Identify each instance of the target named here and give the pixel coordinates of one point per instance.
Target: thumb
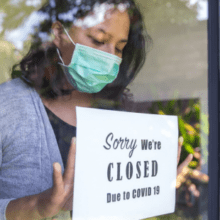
(70, 167)
(184, 163)
(57, 178)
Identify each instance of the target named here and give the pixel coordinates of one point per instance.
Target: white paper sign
(125, 165)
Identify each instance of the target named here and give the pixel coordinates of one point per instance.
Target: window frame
(213, 100)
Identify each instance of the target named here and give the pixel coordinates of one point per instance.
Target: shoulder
(15, 92)
(20, 115)
(16, 101)
(14, 88)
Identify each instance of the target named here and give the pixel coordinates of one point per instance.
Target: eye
(97, 42)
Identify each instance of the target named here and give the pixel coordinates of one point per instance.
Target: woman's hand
(186, 175)
(51, 201)
(60, 196)
(186, 161)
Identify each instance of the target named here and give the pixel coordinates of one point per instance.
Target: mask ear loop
(69, 36)
(60, 56)
(70, 40)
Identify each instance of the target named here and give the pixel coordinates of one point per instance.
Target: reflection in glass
(173, 80)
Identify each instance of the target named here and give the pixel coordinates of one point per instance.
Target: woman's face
(110, 36)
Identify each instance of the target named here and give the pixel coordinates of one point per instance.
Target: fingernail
(73, 141)
(57, 166)
(181, 139)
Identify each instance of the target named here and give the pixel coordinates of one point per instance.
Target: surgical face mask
(90, 69)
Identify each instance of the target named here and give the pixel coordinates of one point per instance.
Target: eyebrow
(103, 31)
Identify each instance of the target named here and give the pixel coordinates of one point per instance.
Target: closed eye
(100, 43)
(96, 42)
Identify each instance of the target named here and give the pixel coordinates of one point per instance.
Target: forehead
(99, 13)
(116, 24)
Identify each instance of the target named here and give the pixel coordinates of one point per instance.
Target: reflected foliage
(159, 12)
(8, 56)
(189, 124)
(191, 178)
(39, 15)
(15, 13)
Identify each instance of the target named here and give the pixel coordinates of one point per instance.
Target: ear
(62, 42)
(58, 32)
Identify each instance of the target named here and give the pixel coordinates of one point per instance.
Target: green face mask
(90, 69)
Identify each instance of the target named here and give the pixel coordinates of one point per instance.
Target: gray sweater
(28, 146)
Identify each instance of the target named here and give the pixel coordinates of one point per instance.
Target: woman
(36, 178)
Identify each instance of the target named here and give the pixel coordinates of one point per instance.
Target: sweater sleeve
(28, 146)
(3, 202)
(20, 147)
(3, 206)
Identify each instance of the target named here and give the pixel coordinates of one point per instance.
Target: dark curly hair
(40, 68)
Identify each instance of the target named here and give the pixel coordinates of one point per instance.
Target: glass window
(173, 80)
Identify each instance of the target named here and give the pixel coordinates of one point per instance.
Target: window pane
(174, 81)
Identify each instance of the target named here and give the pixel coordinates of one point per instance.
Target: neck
(76, 98)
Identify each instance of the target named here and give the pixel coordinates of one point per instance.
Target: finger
(179, 180)
(184, 163)
(70, 168)
(192, 188)
(180, 143)
(57, 178)
(196, 174)
(68, 205)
